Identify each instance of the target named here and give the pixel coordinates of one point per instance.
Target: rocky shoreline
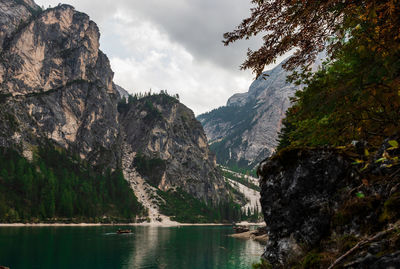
(259, 235)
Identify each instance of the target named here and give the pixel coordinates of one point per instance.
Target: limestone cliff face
(159, 127)
(13, 15)
(56, 84)
(245, 131)
(59, 46)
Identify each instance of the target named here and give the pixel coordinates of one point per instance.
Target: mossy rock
(263, 264)
(312, 260)
(346, 242)
(391, 211)
(356, 207)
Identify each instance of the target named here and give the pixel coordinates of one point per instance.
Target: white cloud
(174, 45)
(202, 85)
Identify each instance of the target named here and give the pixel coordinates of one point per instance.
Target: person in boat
(119, 231)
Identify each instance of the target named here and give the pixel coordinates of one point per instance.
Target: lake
(147, 247)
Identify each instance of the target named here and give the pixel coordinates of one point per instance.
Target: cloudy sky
(173, 45)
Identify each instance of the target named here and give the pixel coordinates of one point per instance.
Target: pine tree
(4, 175)
(66, 204)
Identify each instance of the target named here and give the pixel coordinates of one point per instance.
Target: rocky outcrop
(245, 131)
(159, 127)
(57, 85)
(318, 204)
(298, 197)
(14, 14)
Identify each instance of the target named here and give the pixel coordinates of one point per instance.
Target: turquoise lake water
(185, 247)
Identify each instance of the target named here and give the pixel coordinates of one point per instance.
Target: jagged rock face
(309, 201)
(245, 131)
(60, 46)
(297, 198)
(121, 91)
(13, 14)
(57, 84)
(161, 127)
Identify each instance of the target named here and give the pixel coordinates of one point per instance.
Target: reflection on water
(147, 247)
(145, 244)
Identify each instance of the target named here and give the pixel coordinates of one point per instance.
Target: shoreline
(250, 235)
(151, 224)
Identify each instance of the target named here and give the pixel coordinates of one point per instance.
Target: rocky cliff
(56, 87)
(326, 207)
(13, 15)
(159, 127)
(245, 131)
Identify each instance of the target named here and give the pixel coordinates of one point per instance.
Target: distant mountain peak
(245, 131)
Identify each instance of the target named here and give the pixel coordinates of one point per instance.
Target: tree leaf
(360, 195)
(365, 167)
(357, 161)
(380, 160)
(393, 143)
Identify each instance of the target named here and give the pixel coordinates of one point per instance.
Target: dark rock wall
(314, 198)
(298, 196)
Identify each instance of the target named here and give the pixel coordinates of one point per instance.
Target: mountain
(57, 85)
(121, 91)
(165, 152)
(245, 131)
(58, 98)
(159, 127)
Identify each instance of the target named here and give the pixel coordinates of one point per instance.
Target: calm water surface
(147, 247)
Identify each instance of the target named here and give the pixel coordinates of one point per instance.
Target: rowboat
(124, 231)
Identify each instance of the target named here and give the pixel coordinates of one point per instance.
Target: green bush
(150, 168)
(312, 260)
(263, 264)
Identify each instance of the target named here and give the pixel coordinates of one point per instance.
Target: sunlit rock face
(13, 15)
(56, 83)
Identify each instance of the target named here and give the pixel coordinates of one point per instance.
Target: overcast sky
(173, 45)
